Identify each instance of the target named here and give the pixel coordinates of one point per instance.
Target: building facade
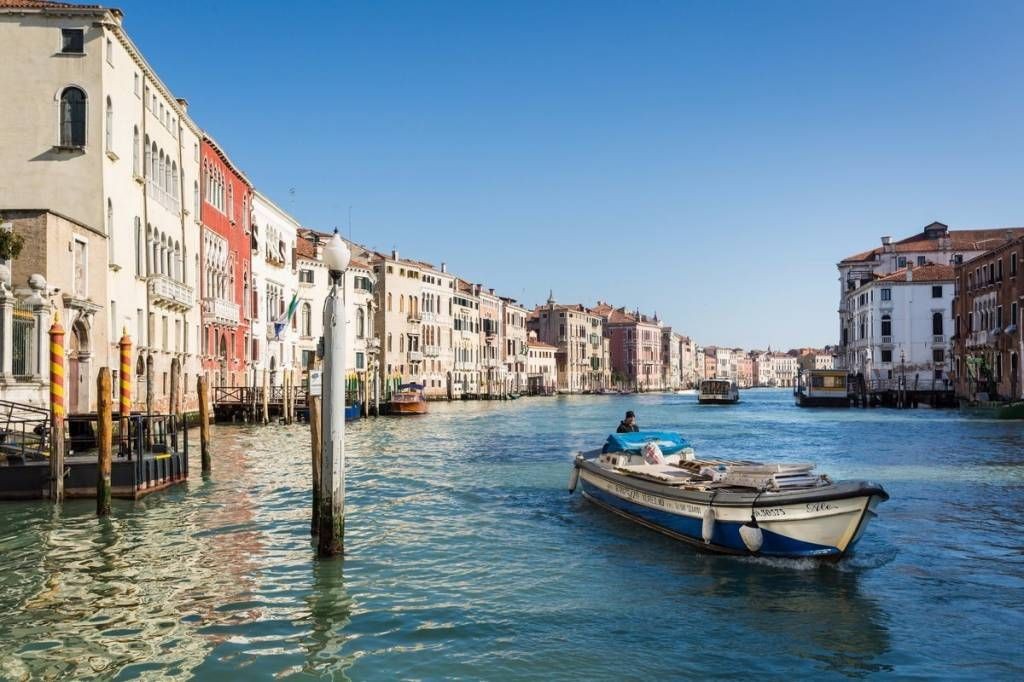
(583, 358)
(276, 322)
(541, 368)
(988, 318)
(515, 350)
(226, 264)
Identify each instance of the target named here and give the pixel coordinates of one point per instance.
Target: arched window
(937, 324)
(389, 342)
(401, 343)
(886, 325)
(174, 180)
(195, 197)
(360, 324)
(307, 320)
(72, 117)
(153, 163)
(135, 151)
(389, 303)
(401, 303)
(110, 125)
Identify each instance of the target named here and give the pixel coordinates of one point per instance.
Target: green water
(466, 558)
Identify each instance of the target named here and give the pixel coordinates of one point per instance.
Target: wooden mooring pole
(56, 410)
(204, 423)
(314, 433)
(104, 433)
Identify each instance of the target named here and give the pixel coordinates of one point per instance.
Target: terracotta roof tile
(922, 273)
(43, 4)
(959, 240)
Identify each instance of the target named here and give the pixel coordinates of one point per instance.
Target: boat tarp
(411, 387)
(668, 441)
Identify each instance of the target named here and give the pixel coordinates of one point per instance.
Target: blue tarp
(669, 442)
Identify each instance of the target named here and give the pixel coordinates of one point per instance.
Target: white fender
(707, 528)
(752, 536)
(574, 478)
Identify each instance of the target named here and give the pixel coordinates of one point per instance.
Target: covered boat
(409, 399)
(718, 392)
(732, 507)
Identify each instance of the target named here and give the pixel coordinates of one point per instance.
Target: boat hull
(825, 524)
(706, 400)
(821, 401)
(404, 408)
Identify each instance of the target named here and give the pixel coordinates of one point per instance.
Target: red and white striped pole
(56, 410)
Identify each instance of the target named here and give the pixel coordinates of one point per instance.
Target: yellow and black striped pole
(56, 410)
(125, 383)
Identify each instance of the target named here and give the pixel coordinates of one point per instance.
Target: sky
(711, 161)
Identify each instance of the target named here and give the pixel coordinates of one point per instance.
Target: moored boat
(731, 507)
(409, 399)
(718, 392)
(822, 388)
(992, 409)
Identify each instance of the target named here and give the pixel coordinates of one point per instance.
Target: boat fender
(752, 535)
(574, 478)
(707, 528)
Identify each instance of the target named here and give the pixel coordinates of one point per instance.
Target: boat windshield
(715, 387)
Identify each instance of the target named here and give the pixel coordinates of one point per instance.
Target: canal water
(466, 558)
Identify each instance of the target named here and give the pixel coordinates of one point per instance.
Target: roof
(922, 273)
(305, 248)
(44, 4)
(931, 239)
(540, 344)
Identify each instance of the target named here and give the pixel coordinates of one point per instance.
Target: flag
(280, 324)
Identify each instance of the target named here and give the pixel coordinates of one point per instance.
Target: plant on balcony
(11, 244)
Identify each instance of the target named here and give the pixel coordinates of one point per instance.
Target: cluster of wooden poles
(105, 417)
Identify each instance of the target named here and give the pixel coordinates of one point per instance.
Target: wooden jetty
(232, 403)
(151, 455)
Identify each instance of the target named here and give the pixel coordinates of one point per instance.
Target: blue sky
(708, 161)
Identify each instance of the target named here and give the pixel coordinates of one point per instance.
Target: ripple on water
(465, 557)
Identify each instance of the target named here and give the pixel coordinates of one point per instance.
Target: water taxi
(409, 399)
(738, 507)
(822, 388)
(718, 392)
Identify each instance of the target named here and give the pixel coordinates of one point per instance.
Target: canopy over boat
(411, 387)
(670, 443)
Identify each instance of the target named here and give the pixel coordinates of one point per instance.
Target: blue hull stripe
(726, 536)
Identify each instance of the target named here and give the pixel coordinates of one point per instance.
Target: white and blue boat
(732, 507)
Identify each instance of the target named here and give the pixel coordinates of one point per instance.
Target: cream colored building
(492, 344)
(584, 357)
(514, 348)
(466, 340)
(96, 137)
(541, 367)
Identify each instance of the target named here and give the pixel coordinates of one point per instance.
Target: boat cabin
(718, 391)
(822, 388)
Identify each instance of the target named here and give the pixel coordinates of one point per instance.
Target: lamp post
(332, 453)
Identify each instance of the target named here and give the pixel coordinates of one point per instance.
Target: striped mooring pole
(56, 410)
(125, 382)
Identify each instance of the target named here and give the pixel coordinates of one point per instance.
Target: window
(360, 323)
(110, 231)
(72, 41)
(110, 51)
(360, 363)
(938, 355)
(136, 90)
(921, 260)
(307, 320)
(110, 126)
(937, 291)
(886, 294)
(886, 355)
(72, 117)
(79, 268)
(886, 325)
(937, 324)
(901, 262)
(139, 254)
(970, 322)
(306, 276)
(135, 152)
(999, 317)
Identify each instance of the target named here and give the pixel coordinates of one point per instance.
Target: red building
(226, 266)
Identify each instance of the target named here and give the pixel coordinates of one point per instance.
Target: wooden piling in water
(104, 441)
(266, 399)
(204, 423)
(314, 432)
(56, 410)
(172, 407)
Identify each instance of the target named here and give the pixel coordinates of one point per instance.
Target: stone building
(491, 344)
(515, 349)
(635, 345)
(541, 367)
(583, 351)
(93, 119)
(988, 317)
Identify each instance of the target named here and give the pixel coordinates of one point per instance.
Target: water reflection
(329, 609)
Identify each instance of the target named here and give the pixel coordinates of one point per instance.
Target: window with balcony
(886, 325)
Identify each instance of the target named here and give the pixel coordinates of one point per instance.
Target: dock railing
(24, 430)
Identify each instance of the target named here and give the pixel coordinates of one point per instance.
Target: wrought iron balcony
(170, 293)
(219, 311)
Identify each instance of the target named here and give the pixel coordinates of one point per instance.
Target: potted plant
(11, 244)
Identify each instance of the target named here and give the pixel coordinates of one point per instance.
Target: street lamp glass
(336, 254)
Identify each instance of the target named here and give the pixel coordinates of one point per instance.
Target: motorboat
(780, 509)
(409, 399)
(718, 392)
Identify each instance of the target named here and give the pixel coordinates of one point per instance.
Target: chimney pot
(444, 267)
(183, 103)
(394, 254)
(886, 240)
(910, 273)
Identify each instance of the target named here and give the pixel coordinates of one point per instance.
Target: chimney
(183, 103)
(394, 254)
(910, 272)
(886, 240)
(444, 267)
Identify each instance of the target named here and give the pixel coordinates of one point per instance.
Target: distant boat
(686, 391)
(992, 409)
(718, 392)
(822, 388)
(733, 507)
(409, 399)
(353, 412)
